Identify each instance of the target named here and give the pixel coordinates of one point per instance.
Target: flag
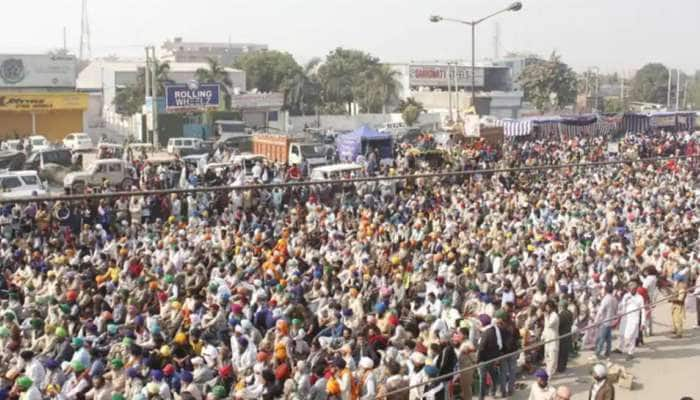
(183, 178)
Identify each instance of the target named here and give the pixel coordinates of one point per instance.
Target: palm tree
(162, 78)
(216, 73)
(302, 86)
(386, 83)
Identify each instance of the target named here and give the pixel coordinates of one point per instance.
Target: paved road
(664, 368)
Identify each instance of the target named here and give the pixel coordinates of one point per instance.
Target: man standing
(601, 389)
(605, 314)
(678, 306)
(490, 347)
(631, 308)
(566, 321)
(550, 334)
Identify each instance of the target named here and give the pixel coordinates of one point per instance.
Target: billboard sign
(192, 97)
(43, 101)
(436, 75)
(267, 101)
(37, 71)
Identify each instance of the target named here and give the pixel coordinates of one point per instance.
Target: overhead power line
(338, 181)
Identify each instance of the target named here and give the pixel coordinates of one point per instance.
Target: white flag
(183, 178)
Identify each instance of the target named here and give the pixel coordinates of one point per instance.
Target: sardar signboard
(192, 97)
(436, 75)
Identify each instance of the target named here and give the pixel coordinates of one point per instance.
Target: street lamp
(517, 6)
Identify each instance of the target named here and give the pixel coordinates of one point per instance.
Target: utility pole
(449, 92)
(456, 86)
(622, 90)
(147, 81)
(678, 87)
(685, 95)
(65, 45)
(668, 92)
(154, 90)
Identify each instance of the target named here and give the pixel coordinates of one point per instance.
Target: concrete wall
(352, 122)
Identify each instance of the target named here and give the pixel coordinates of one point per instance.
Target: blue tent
(353, 144)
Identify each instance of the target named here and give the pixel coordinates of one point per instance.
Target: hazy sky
(613, 34)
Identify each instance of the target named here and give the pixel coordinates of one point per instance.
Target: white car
(115, 171)
(78, 142)
(39, 143)
(20, 184)
(176, 145)
(11, 145)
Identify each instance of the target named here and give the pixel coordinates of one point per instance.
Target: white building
(108, 77)
(177, 50)
(440, 86)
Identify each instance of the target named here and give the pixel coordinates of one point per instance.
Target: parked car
(62, 157)
(183, 144)
(114, 170)
(78, 142)
(11, 145)
(19, 184)
(11, 160)
(39, 143)
(336, 171)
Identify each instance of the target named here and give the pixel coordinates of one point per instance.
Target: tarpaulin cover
(349, 145)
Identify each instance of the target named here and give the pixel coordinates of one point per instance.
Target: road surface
(664, 368)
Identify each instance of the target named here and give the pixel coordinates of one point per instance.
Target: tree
(216, 73)
(403, 104)
(343, 76)
(304, 89)
(650, 84)
(131, 99)
(549, 83)
(410, 115)
(377, 87)
(268, 71)
(613, 105)
(694, 92)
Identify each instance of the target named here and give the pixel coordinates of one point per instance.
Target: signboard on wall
(43, 101)
(192, 97)
(436, 75)
(472, 125)
(37, 71)
(266, 101)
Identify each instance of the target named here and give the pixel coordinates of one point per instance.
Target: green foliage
(216, 73)
(304, 90)
(410, 115)
(130, 100)
(549, 83)
(613, 105)
(650, 84)
(268, 71)
(694, 92)
(403, 104)
(349, 76)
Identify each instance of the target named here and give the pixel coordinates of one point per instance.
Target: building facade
(38, 96)
(177, 50)
(442, 87)
(108, 77)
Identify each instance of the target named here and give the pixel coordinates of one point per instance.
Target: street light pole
(474, 66)
(517, 6)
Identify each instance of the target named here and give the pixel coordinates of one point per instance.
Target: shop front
(52, 114)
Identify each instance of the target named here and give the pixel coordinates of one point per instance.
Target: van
(336, 171)
(183, 145)
(20, 184)
(62, 157)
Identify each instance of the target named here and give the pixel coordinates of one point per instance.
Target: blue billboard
(192, 97)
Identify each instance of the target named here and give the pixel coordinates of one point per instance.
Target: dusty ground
(664, 369)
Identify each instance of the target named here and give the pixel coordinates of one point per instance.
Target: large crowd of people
(355, 291)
